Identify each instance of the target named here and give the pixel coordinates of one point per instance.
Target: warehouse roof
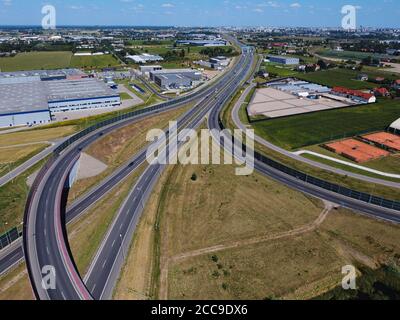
(82, 89)
(35, 95)
(172, 71)
(41, 73)
(283, 57)
(22, 97)
(172, 77)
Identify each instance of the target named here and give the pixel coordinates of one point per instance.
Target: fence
(9, 237)
(354, 194)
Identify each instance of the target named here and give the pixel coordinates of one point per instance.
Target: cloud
(295, 5)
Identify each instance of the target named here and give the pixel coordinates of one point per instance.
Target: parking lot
(274, 103)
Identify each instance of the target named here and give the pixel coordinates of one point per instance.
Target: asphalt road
(365, 208)
(105, 269)
(45, 238)
(269, 145)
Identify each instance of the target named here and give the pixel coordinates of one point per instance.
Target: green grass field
(350, 55)
(55, 60)
(339, 77)
(279, 70)
(94, 62)
(36, 61)
(125, 96)
(309, 129)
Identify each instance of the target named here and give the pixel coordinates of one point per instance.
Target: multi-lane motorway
(105, 269)
(13, 255)
(45, 239)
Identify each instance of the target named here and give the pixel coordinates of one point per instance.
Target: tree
(322, 64)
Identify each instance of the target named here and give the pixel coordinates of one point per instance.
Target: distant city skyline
(206, 13)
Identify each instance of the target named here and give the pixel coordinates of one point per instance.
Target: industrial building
(203, 43)
(217, 63)
(176, 78)
(30, 98)
(60, 74)
(284, 60)
(80, 95)
(356, 95)
(145, 70)
(23, 104)
(145, 58)
(172, 81)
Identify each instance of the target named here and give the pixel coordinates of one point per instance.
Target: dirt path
(165, 262)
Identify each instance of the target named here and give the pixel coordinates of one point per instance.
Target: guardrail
(9, 237)
(159, 107)
(354, 194)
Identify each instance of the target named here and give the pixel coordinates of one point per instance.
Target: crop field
(310, 129)
(94, 62)
(36, 61)
(349, 55)
(55, 60)
(338, 77)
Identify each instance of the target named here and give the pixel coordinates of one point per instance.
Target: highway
(45, 241)
(368, 209)
(105, 269)
(291, 155)
(13, 255)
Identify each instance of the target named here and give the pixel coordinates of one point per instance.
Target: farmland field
(354, 55)
(343, 77)
(36, 61)
(94, 62)
(280, 71)
(309, 129)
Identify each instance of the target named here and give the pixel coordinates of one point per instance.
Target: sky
(307, 13)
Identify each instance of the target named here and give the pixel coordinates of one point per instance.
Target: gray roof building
(64, 90)
(23, 98)
(172, 81)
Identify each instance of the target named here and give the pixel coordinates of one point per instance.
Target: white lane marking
(94, 287)
(112, 245)
(104, 264)
(63, 295)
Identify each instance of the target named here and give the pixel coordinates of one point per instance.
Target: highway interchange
(45, 239)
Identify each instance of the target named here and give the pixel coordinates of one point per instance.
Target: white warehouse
(23, 104)
(31, 101)
(80, 95)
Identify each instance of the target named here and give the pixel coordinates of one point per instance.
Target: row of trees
(219, 51)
